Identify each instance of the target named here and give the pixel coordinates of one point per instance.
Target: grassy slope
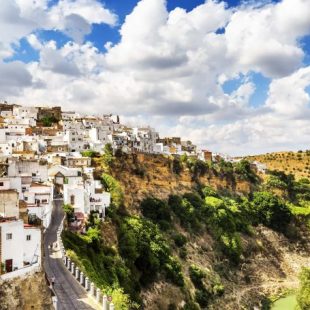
(296, 163)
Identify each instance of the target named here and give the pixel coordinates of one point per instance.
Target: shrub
(174, 271)
(49, 120)
(113, 186)
(107, 157)
(69, 211)
(243, 169)
(179, 239)
(231, 246)
(197, 167)
(89, 153)
(303, 296)
(144, 248)
(197, 275)
(202, 297)
(176, 166)
(185, 211)
(271, 210)
(208, 191)
(156, 210)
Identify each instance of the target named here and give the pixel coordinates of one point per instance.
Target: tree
(245, 172)
(156, 210)
(89, 153)
(108, 157)
(271, 210)
(69, 210)
(115, 189)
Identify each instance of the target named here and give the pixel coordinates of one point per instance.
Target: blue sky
(103, 33)
(230, 76)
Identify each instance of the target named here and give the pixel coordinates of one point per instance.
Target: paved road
(70, 294)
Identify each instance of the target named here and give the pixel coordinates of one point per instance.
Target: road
(70, 294)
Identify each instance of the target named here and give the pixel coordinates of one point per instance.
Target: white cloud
(287, 96)
(19, 18)
(265, 39)
(169, 67)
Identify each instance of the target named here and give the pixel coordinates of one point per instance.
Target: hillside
(183, 234)
(297, 163)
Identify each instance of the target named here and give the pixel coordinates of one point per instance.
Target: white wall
(32, 247)
(13, 248)
(78, 192)
(9, 203)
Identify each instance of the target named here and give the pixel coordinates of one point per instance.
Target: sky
(232, 76)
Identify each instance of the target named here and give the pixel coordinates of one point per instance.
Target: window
(28, 237)
(44, 200)
(1, 184)
(9, 236)
(72, 198)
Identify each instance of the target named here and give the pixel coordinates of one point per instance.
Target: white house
(99, 200)
(87, 196)
(14, 183)
(20, 245)
(35, 168)
(76, 140)
(39, 202)
(25, 112)
(74, 194)
(61, 175)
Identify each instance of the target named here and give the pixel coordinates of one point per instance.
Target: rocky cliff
(26, 293)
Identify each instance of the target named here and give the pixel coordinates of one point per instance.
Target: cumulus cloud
(288, 96)
(169, 68)
(19, 18)
(14, 76)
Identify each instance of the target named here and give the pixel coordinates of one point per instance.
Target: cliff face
(26, 293)
(143, 175)
(270, 262)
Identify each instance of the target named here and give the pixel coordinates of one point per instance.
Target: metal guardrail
(102, 300)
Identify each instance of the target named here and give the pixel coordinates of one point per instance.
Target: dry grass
(297, 163)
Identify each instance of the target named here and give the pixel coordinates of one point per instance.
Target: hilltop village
(44, 157)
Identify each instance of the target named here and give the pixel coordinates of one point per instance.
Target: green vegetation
(113, 186)
(102, 264)
(271, 211)
(207, 286)
(148, 241)
(157, 211)
(284, 303)
(244, 171)
(197, 167)
(49, 120)
(90, 153)
(303, 296)
(69, 211)
(177, 165)
(107, 157)
(144, 248)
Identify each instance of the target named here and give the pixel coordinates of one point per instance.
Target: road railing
(104, 302)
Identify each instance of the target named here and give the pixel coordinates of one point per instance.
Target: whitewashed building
(20, 245)
(39, 202)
